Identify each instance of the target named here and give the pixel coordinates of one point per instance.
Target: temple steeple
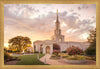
(57, 32)
(57, 24)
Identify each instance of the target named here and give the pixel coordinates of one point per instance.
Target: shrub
(63, 51)
(56, 47)
(10, 51)
(36, 52)
(5, 49)
(91, 51)
(6, 55)
(55, 52)
(41, 52)
(74, 51)
(64, 55)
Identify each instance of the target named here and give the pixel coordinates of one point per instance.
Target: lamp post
(61, 56)
(38, 53)
(38, 56)
(45, 60)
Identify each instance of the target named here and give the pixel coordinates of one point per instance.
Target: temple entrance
(47, 50)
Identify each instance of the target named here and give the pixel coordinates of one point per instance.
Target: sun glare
(84, 36)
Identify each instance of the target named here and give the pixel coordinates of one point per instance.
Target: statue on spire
(57, 11)
(57, 16)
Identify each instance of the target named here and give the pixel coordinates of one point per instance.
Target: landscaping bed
(54, 57)
(75, 59)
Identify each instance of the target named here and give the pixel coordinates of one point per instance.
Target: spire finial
(57, 16)
(57, 11)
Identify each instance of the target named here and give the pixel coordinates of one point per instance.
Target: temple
(47, 46)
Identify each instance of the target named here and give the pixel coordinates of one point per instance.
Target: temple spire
(57, 16)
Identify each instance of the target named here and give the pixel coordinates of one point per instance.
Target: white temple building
(46, 46)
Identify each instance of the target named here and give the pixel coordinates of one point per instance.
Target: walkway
(62, 62)
(50, 61)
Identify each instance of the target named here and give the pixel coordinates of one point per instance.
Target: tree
(19, 43)
(5, 49)
(92, 40)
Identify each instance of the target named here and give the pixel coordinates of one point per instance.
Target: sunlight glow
(63, 24)
(6, 44)
(84, 36)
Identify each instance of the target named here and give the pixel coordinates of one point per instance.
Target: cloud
(86, 6)
(20, 11)
(71, 10)
(27, 20)
(79, 8)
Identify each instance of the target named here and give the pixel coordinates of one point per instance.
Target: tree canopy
(92, 39)
(19, 43)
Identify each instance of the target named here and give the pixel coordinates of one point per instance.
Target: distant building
(46, 46)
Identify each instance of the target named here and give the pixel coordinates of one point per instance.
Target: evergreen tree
(92, 40)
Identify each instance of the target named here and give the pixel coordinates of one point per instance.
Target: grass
(30, 60)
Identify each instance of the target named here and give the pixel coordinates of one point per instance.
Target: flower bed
(64, 55)
(54, 57)
(75, 59)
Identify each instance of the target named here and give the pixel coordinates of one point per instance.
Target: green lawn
(30, 60)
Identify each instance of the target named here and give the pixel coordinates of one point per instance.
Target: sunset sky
(37, 21)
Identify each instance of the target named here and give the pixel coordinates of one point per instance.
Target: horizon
(37, 21)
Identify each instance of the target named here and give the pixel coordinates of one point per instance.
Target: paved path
(50, 61)
(62, 62)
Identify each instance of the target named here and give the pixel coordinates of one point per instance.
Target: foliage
(25, 51)
(76, 57)
(41, 52)
(55, 52)
(64, 55)
(91, 51)
(10, 51)
(63, 51)
(56, 47)
(19, 43)
(6, 55)
(92, 39)
(30, 60)
(36, 52)
(5, 49)
(74, 51)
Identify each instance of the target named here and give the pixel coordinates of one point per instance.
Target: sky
(37, 21)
